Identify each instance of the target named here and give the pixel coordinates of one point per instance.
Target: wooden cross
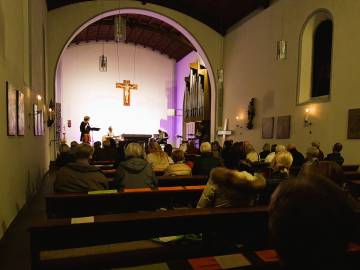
(127, 86)
(224, 132)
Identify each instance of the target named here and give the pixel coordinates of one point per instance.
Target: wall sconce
(307, 121)
(51, 113)
(39, 98)
(240, 120)
(281, 50)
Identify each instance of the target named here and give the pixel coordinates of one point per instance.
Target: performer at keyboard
(163, 137)
(85, 129)
(110, 132)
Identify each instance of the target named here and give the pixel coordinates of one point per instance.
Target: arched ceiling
(217, 14)
(142, 30)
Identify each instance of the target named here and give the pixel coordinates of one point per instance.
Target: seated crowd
(137, 167)
(310, 217)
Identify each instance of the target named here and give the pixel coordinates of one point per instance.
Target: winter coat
(77, 177)
(177, 169)
(204, 164)
(230, 188)
(135, 173)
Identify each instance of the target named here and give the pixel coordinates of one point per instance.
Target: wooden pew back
(132, 200)
(246, 224)
(192, 180)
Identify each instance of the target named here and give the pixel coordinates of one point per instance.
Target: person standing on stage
(85, 130)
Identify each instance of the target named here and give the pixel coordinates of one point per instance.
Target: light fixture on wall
(307, 120)
(281, 50)
(51, 113)
(220, 75)
(281, 45)
(38, 97)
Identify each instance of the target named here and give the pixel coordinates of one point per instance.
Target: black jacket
(204, 164)
(84, 129)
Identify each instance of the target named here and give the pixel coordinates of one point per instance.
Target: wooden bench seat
(248, 225)
(130, 200)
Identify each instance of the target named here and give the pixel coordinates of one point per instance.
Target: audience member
(191, 148)
(64, 156)
(271, 156)
(311, 223)
(73, 146)
(183, 146)
(335, 155)
(206, 162)
(299, 158)
(227, 146)
(251, 155)
(157, 157)
(109, 151)
(280, 172)
(317, 145)
(328, 169)
(216, 149)
(179, 168)
(227, 187)
(312, 155)
(242, 163)
(80, 176)
(265, 152)
(97, 151)
(168, 149)
(281, 166)
(135, 171)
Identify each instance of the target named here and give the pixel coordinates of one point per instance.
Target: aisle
(15, 245)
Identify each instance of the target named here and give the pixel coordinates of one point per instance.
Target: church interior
(157, 134)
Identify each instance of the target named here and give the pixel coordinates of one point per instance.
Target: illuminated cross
(127, 86)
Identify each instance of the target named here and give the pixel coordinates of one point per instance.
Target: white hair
(280, 148)
(205, 147)
(134, 150)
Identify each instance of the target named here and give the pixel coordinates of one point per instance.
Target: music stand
(93, 129)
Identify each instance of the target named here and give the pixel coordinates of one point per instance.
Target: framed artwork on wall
(268, 128)
(354, 124)
(283, 127)
(11, 110)
(20, 113)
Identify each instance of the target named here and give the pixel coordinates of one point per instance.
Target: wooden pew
(171, 181)
(351, 176)
(131, 200)
(350, 168)
(50, 238)
(103, 162)
(248, 225)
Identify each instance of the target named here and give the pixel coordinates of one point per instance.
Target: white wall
(87, 91)
(24, 159)
(251, 70)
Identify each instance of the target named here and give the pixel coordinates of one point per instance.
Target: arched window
(315, 58)
(321, 70)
